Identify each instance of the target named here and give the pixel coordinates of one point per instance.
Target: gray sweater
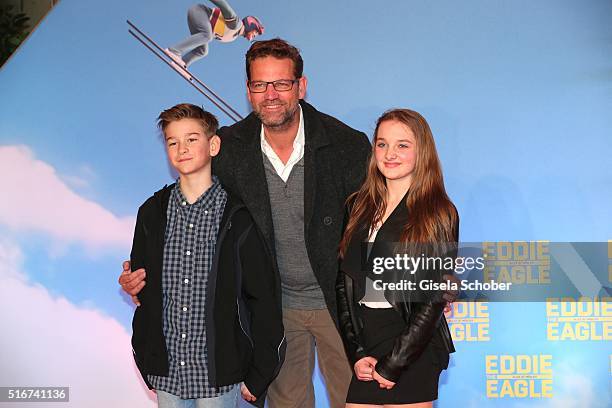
(298, 282)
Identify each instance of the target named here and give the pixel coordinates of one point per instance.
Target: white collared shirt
(374, 305)
(283, 170)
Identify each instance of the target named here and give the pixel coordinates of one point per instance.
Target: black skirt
(417, 383)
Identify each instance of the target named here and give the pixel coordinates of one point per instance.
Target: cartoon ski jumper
(205, 24)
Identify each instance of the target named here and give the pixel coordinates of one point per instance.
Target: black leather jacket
(425, 320)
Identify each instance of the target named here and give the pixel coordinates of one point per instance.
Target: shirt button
(190, 225)
(188, 252)
(184, 203)
(184, 308)
(206, 212)
(186, 280)
(327, 220)
(183, 336)
(182, 363)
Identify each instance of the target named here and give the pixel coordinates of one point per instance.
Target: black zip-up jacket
(243, 300)
(425, 319)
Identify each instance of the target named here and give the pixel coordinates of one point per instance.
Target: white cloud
(76, 182)
(35, 198)
(48, 341)
(11, 260)
(82, 180)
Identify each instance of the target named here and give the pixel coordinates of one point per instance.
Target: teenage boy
(210, 315)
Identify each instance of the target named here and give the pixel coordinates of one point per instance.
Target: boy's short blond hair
(209, 122)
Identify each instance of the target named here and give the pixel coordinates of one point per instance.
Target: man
(293, 167)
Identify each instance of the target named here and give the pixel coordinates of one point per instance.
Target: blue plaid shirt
(189, 245)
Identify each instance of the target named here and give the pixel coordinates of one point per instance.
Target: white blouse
(370, 283)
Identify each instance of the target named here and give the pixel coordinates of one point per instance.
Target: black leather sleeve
(412, 341)
(346, 320)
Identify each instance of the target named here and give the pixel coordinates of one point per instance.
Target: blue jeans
(227, 400)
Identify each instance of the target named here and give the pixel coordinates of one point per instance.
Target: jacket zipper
(241, 327)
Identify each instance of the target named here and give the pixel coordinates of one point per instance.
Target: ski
(198, 84)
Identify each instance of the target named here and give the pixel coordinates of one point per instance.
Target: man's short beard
(285, 122)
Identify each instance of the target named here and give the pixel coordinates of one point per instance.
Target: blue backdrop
(519, 97)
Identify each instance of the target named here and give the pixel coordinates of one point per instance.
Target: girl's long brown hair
(432, 216)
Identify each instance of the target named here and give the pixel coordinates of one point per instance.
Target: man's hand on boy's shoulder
(132, 282)
(246, 394)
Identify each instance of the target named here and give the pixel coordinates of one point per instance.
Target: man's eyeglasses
(281, 85)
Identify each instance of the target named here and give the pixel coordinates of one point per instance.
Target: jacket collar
(316, 137)
(393, 227)
(356, 262)
(250, 173)
(162, 198)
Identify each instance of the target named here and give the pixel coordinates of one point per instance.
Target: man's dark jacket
(243, 315)
(335, 157)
